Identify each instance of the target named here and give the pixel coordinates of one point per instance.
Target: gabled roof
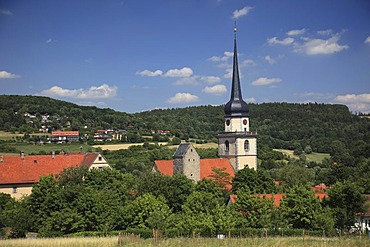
(181, 150)
(166, 167)
(15, 170)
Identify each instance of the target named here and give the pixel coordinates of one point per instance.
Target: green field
(10, 136)
(48, 148)
(189, 242)
(315, 157)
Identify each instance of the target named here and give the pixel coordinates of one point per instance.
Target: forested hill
(279, 125)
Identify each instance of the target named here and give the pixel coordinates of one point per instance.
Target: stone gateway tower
(237, 142)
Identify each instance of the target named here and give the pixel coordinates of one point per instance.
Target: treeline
(279, 125)
(79, 200)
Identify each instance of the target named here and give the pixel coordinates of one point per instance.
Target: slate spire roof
(236, 107)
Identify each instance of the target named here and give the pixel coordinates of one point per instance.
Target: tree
(256, 210)
(295, 174)
(346, 200)
(203, 213)
(174, 189)
(301, 208)
(146, 212)
(256, 182)
(221, 178)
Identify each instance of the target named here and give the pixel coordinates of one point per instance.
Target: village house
(19, 173)
(65, 136)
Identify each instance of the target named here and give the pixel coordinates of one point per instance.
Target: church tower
(237, 142)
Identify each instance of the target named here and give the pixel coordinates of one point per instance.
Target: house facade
(64, 136)
(19, 173)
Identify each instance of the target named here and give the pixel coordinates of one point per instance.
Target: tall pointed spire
(236, 107)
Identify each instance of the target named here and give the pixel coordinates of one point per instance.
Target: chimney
(22, 155)
(53, 155)
(1, 158)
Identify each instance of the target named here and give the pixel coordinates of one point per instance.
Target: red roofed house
(187, 161)
(18, 174)
(64, 136)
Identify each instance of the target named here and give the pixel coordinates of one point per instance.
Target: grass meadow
(316, 157)
(189, 242)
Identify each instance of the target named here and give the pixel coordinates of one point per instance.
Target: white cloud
(6, 75)
(246, 62)
(250, 100)
(211, 79)
(275, 41)
(5, 12)
(187, 81)
(150, 73)
(367, 40)
(320, 46)
(184, 72)
(325, 32)
(296, 32)
(102, 91)
(356, 102)
(183, 98)
(229, 73)
(263, 81)
(224, 58)
(240, 12)
(216, 90)
(49, 41)
(270, 60)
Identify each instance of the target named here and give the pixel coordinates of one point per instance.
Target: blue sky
(134, 55)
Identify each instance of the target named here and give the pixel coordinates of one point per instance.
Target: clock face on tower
(227, 122)
(245, 121)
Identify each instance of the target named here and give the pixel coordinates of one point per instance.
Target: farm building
(20, 172)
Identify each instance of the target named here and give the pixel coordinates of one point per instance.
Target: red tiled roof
(13, 169)
(64, 133)
(166, 167)
(206, 166)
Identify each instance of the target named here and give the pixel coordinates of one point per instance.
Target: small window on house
(100, 158)
(227, 148)
(193, 159)
(245, 129)
(246, 145)
(100, 168)
(191, 175)
(191, 150)
(15, 190)
(35, 161)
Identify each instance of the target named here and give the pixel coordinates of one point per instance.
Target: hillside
(279, 125)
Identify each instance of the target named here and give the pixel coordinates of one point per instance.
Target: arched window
(227, 146)
(246, 145)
